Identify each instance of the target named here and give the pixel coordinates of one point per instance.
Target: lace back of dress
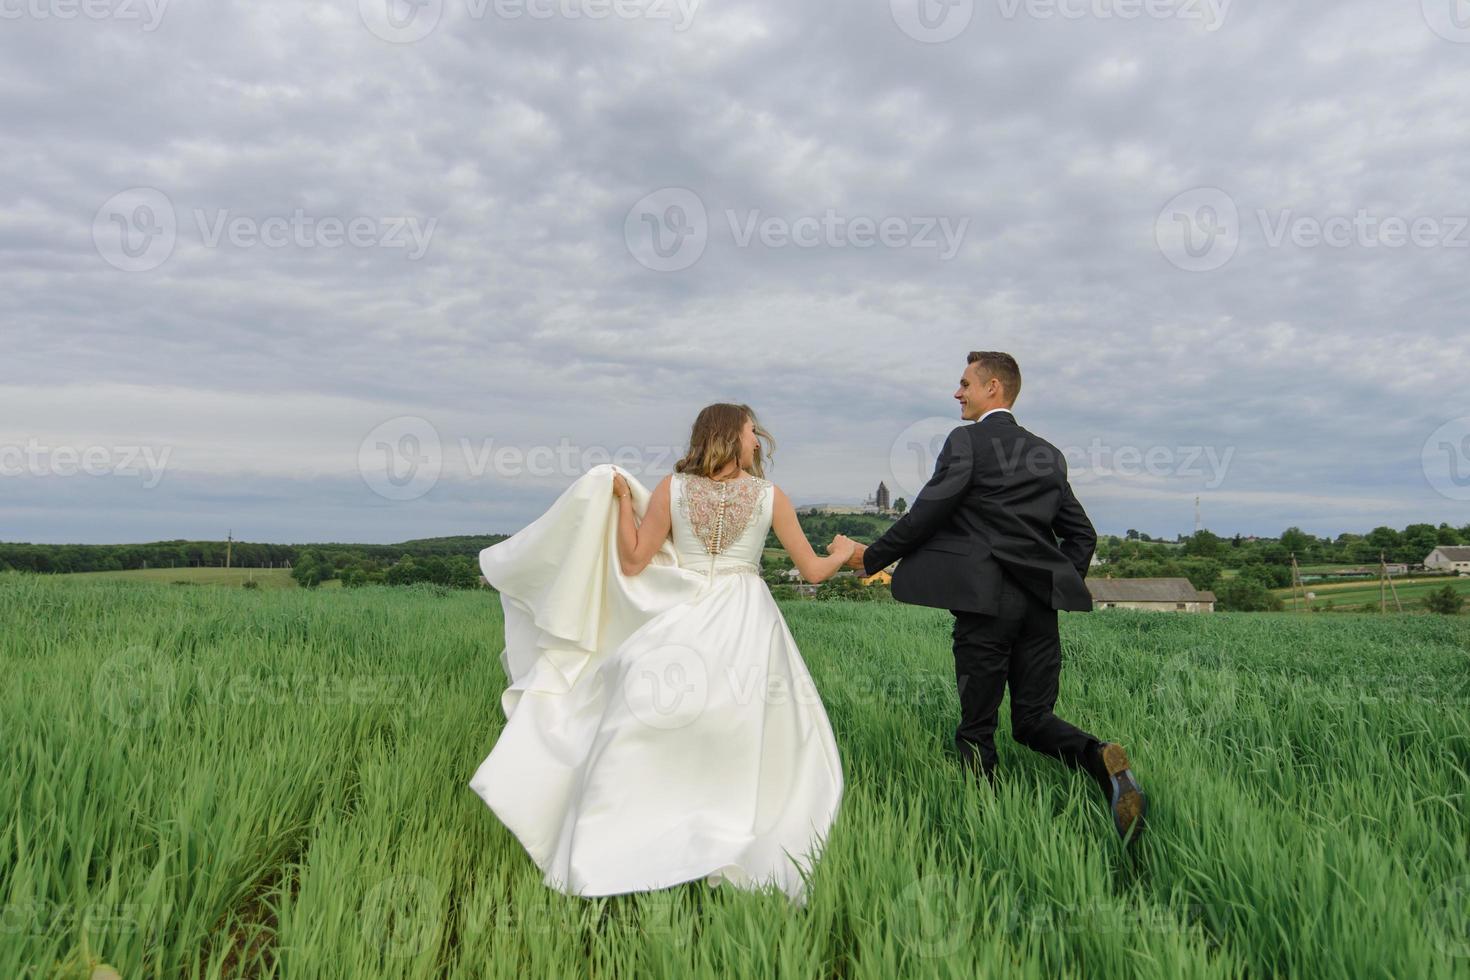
(719, 511)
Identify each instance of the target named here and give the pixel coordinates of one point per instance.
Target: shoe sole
(1129, 804)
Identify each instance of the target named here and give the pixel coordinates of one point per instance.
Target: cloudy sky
(341, 271)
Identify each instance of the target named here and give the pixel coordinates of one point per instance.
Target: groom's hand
(856, 561)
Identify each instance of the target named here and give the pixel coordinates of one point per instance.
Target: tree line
(64, 558)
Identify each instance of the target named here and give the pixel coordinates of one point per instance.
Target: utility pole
(1385, 583)
(1198, 524)
(1296, 582)
(229, 543)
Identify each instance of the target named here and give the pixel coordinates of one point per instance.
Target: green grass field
(1358, 595)
(269, 578)
(223, 782)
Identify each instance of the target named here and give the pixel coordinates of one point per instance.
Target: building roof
(1453, 552)
(1146, 590)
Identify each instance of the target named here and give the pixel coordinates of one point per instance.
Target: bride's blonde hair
(715, 441)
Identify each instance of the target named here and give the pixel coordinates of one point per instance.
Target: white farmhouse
(1448, 558)
(1156, 594)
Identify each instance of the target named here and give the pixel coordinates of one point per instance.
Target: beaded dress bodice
(720, 525)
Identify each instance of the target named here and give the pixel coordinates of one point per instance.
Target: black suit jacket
(998, 501)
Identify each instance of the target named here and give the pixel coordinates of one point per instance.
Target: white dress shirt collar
(992, 412)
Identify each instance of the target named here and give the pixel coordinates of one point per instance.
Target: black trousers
(1019, 646)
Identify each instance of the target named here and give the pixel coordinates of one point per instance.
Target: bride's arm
(788, 529)
(637, 543)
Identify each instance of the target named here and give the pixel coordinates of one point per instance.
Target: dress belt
(731, 568)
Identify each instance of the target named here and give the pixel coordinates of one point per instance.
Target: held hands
(855, 560)
(844, 547)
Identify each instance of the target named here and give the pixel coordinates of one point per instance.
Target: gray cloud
(530, 320)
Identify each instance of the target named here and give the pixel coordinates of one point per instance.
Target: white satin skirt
(660, 728)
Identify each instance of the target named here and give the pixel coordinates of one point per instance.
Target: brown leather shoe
(1125, 797)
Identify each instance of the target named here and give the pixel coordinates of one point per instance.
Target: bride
(661, 726)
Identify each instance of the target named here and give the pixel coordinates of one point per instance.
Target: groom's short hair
(1001, 366)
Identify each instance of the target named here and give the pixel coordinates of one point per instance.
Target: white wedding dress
(660, 728)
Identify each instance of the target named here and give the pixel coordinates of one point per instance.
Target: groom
(998, 538)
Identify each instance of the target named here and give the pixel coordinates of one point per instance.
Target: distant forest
(60, 558)
(1257, 564)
